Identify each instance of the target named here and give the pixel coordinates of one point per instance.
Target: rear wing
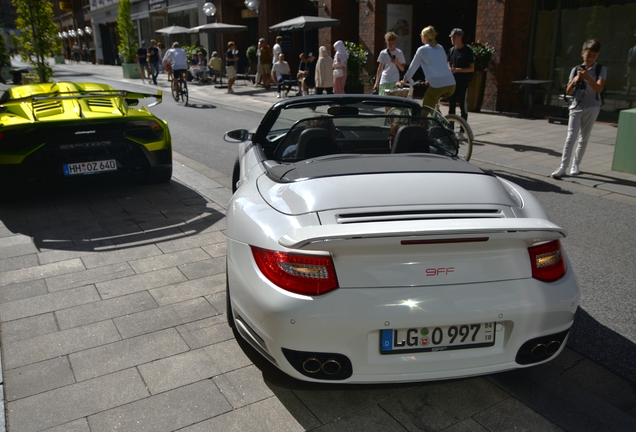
(322, 235)
(131, 98)
(92, 94)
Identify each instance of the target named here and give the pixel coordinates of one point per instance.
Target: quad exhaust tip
(541, 348)
(320, 366)
(313, 365)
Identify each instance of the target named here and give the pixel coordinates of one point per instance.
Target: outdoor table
(530, 85)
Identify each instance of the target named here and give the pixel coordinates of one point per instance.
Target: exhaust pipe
(312, 365)
(552, 347)
(331, 367)
(538, 350)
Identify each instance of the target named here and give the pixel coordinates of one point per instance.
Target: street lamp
(252, 4)
(209, 9)
(88, 30)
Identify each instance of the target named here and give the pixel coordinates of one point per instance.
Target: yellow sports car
(66, 129)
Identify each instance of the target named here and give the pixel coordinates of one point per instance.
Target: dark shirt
(461, 58)
(141, 55)
(231, 54)
(154, 54)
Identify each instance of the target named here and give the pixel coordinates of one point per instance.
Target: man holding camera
(392, 62)
(586, 84)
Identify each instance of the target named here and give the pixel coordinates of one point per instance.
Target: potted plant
(477, 87)
(128, 40)
(357, 76)
(57, 55)
(252, 58)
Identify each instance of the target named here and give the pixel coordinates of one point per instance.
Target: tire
(159, 175)
(462, 129)
(175, 93)
(184, 92)
(236, 174)
(229, 315)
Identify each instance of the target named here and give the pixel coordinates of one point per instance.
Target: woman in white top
(391, 61)
(324, 72)
(431, 57)
(339, 67)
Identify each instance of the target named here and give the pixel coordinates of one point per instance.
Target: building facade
(533, 39)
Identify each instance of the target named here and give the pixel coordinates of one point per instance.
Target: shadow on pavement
(529, 183)
(108, 213)
(521, 148)
(603, 345)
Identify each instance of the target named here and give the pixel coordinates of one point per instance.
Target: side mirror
(237, 135)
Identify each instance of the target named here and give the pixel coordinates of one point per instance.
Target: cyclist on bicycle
(179, 61)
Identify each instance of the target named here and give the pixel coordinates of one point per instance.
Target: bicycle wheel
(463, 134)
(175, 93)
(184, 92)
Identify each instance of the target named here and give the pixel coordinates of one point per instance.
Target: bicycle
(182, 90)
(463, 133)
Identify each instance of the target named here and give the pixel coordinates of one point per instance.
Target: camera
(392, 56)
(581, 85)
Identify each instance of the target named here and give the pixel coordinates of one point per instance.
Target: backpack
(600, 95)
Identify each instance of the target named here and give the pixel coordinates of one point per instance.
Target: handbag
(337, 73)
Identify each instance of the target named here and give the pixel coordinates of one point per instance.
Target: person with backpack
(391, 62)
(586, 84)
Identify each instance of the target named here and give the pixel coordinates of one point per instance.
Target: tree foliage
(38, 34)
(127, 32)
(4, 56)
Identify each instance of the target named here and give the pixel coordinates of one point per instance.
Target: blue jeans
(154, 70)
(284, 78)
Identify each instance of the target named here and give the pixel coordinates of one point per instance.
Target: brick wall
(506, 26)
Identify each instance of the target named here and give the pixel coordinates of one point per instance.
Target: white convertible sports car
(360, 249)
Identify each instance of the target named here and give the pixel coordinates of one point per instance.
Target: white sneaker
(287, 93)
(559, 172)
(574, 171)
(461, 136)
(278, 95)
(230, 91)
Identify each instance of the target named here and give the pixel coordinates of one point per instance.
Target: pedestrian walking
(391, 62)
(142, 59)
(340, 67)
(324, 72)
(231, 62)
(153, 59)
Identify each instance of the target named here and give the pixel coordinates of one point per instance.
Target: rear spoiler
(130, 97)
(302, 237)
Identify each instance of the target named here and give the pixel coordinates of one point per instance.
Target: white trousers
(580, 126)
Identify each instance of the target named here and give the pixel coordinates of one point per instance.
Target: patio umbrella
(305, 23)
(173, 29)
(218, 28)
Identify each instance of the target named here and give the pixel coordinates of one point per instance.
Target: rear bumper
(348, 321)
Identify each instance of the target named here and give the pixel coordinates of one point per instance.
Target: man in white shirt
(179, 61)
(280, 73)
(277, 49)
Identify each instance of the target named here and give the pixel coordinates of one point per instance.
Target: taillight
(301, 274)
(547, 261)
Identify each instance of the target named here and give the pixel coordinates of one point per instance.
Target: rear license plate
(84, 168)
(432, 339)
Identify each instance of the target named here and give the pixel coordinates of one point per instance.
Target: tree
(127, 32)
(39, 34)
(4, 57)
